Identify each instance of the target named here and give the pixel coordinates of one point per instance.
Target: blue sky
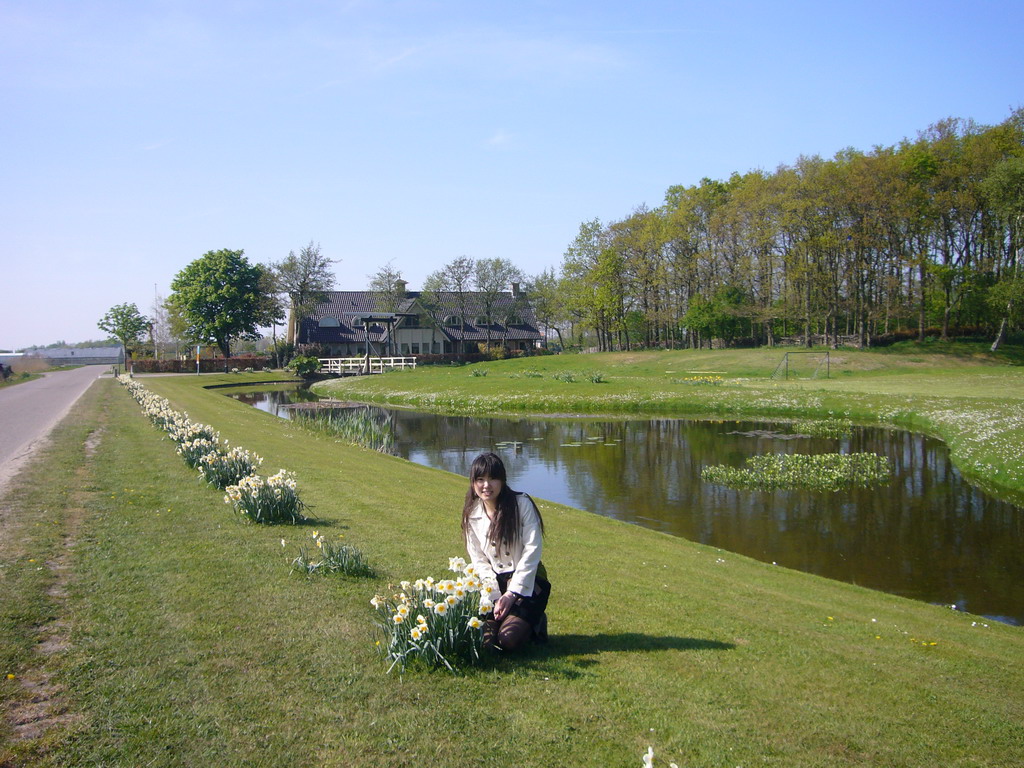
(136, 136)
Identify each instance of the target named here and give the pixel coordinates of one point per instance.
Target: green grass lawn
(186, 640)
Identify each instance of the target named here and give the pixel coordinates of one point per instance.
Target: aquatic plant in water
(824, 427)
(823, 471)
(359, 427)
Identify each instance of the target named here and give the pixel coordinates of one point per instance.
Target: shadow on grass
(572, 656)
(585, 645)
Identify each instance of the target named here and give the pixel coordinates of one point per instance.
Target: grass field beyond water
(173, 634)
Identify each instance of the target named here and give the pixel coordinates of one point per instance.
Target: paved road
(29, 411)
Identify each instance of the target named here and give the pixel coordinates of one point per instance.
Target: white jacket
(521, 556)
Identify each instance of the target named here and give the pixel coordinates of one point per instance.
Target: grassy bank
(19, 378)
(184, 639)
(972, 400)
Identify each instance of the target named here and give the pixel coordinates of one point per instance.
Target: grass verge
(191, 642)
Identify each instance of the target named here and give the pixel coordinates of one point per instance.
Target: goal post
(792, 365)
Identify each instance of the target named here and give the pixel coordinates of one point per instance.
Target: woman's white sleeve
(530, 538)
(478, 557)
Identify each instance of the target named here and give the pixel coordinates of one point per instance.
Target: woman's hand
(504, 605)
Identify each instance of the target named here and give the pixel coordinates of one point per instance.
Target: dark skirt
(529, 608)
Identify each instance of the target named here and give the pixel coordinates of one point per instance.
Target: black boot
(540, 632)
(490, 633)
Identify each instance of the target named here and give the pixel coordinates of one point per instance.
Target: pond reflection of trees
(927, 534)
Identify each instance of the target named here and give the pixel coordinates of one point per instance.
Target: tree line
(920, 235)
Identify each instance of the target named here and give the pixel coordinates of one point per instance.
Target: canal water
(927, 534)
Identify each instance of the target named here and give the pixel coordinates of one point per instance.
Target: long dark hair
(505, 525)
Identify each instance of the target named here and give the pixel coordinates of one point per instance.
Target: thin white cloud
(498, 139)
(152, 147)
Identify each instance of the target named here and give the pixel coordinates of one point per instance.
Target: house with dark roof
(420, 323)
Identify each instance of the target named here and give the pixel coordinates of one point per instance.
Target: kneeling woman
(503, 531)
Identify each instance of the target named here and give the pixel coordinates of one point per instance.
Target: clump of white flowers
(435, 622)
(331, 557)
(221, 469)
(273, 499)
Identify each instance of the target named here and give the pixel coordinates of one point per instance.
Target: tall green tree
(305, 278)
(432, 301)
(492, 277)
(583, 273)
(452, 282)
(387, 287)
(125, 323)
(1004, 190)
(388, 290)
(546, 295)
(221, 297)
(272, 310)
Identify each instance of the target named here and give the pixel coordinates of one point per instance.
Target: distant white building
(79, 355)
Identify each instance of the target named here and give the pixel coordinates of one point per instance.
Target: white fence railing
(357, 365)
